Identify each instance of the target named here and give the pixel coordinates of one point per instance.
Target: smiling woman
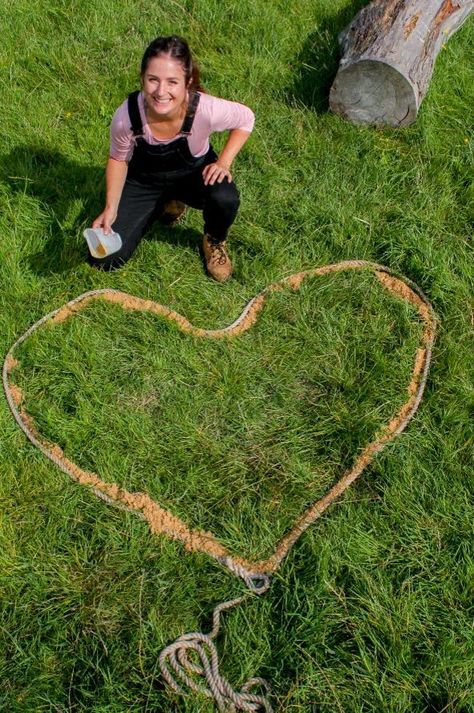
(161, 159)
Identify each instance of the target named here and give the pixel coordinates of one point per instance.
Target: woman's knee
(224, 196)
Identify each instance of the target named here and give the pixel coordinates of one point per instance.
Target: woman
(160, 157)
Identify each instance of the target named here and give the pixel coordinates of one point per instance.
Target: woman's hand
(221, 168)
(105, 220)
(216, 172)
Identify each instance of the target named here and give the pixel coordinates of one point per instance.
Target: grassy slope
(371, 610)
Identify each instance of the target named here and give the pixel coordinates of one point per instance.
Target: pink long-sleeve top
(213, 114)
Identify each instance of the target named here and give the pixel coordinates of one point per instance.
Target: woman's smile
(162, 101)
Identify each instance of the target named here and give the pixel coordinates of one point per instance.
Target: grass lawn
(372, 609)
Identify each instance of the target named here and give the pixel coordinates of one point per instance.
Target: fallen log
(389, 51)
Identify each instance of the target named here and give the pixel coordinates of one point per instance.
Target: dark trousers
(142, 203)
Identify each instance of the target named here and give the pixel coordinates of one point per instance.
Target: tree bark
(389, 51)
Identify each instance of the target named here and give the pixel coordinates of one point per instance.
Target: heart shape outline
(162, 521)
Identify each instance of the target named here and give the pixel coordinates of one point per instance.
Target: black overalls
(158, 173)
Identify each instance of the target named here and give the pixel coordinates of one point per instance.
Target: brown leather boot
(217, 261)
(172, 212)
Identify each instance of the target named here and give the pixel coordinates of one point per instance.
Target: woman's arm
(221, 168)
(115, 175)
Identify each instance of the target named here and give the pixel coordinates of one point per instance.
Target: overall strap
(190, 114)
(134, 114)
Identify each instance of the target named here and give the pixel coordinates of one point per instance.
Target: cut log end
(389, 51)
(373, 92)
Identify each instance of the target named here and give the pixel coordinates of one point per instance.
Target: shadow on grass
(68, 193)
(318, 61)
(71, 195)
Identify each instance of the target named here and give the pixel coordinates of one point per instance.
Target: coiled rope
(177, 656)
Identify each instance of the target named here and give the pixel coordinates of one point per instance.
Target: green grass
(372, 610)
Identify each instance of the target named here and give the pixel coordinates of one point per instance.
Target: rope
(255, 575)
(161, 520)
(256, 582)
(180, 657)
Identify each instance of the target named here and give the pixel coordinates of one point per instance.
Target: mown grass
(372, 611)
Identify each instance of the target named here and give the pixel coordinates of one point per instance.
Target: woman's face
(164, 86)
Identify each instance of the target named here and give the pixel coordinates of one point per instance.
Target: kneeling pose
(161, 160)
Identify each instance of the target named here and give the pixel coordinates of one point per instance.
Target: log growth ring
(373, 92)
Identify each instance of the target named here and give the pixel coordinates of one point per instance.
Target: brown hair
(177, 48)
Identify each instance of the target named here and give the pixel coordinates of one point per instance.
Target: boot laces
(218, 252)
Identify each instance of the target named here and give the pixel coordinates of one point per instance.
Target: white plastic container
(100, 244)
